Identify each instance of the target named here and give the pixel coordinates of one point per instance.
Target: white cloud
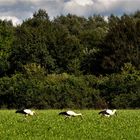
(83, 2)
(22, 9)
(14, 19)
(7, 2)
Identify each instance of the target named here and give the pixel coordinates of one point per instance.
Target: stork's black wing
(104, 112)
(21, 111)
(63, 113)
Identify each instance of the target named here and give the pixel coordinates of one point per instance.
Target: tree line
(70, 62)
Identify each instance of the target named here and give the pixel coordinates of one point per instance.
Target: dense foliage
(70, 62)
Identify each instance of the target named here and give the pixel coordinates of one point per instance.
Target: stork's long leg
(81, 117)
(67, 117)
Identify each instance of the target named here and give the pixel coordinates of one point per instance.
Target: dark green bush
(68, 91)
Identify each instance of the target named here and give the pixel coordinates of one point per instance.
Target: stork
(69, 114)
(26, 112)
(108, 112)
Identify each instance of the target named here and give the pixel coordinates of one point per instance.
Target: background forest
(70, 62)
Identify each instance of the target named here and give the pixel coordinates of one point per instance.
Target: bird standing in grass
(26, 112)
(108, 112)
(69, 114)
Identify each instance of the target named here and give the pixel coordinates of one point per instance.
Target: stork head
(32, 113)
(114, 112)
(80, 114)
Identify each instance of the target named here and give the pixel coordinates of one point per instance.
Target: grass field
(48, 125)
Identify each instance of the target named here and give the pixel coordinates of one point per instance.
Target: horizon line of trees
(74, 52)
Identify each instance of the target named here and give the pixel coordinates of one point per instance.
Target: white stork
(69, 114)
(26, 112)
(108, 112)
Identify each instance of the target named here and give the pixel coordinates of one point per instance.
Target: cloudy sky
(19, 10)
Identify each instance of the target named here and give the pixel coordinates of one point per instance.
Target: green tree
(92, 38)
(121, 45)
(32, 42)
(41, 15)
(65, 49)
(73, 23)
(6, 40)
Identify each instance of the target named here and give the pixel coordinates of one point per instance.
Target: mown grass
(48, 125)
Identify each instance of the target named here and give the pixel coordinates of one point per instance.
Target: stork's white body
(69, 114)
(72, 113)
(26, 112)
(29, 112)
(111, 112)
(108, 112)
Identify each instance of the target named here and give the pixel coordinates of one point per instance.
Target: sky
(19, 10)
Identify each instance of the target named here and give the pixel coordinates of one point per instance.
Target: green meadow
(48, 125)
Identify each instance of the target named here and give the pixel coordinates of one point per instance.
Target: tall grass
(48, 125)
